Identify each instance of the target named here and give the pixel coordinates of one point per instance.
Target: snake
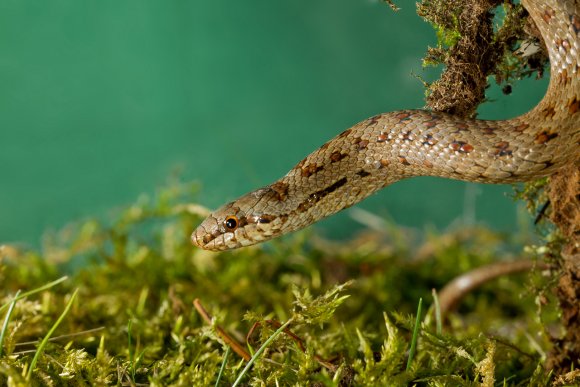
(389, 147)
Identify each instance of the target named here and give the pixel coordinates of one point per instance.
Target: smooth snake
(393, 146)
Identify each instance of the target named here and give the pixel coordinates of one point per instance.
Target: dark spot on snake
(360, 143)
(488, 131)
(318, 195)
(548, 14)
(242, 221)
(563, 77)
(382, 137)
(545, 136)
(373, 120)
(427, 164)
(467, 148)
(339, 183)
(429, 140)
(574, 105)
(406, 136)
(311, 169)
(566, 45)
(337, 156)
(384, 163)
(521, 127)
(549, 111)
(210, 237)
(562, 44)
(502, 149)
(455, 145)
(302, 207)
(575, 22)
(461, 146)
(363, 173)
(325, 145)
(430, 124)
(281, 190)
(265, 219)
(345, 133)
(403, 116)
(403, 160)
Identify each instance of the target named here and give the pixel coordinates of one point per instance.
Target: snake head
(242, 222)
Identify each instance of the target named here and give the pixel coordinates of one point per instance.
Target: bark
(564, 194)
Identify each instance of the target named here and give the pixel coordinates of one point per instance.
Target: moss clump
(471, 49)
(133, 321)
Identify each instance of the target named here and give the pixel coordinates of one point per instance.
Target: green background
(101, 100)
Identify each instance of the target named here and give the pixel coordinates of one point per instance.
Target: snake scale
(393, 146)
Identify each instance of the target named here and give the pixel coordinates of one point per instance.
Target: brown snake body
(393, 146)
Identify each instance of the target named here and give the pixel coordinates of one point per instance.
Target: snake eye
(231, 223)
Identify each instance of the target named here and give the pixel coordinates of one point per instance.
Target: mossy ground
(136, 323)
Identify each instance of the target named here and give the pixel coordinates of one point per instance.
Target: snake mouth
(197, 238)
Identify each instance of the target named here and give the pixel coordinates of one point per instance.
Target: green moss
(139, 277)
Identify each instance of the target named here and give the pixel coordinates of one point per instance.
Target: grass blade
(39, 289)
(7, 320)
(415, 334)
(44, 341)
(131, 354)
(222, 368)
(438, 318)
(259, 352)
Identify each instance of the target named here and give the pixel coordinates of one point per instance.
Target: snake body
(393, 146)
